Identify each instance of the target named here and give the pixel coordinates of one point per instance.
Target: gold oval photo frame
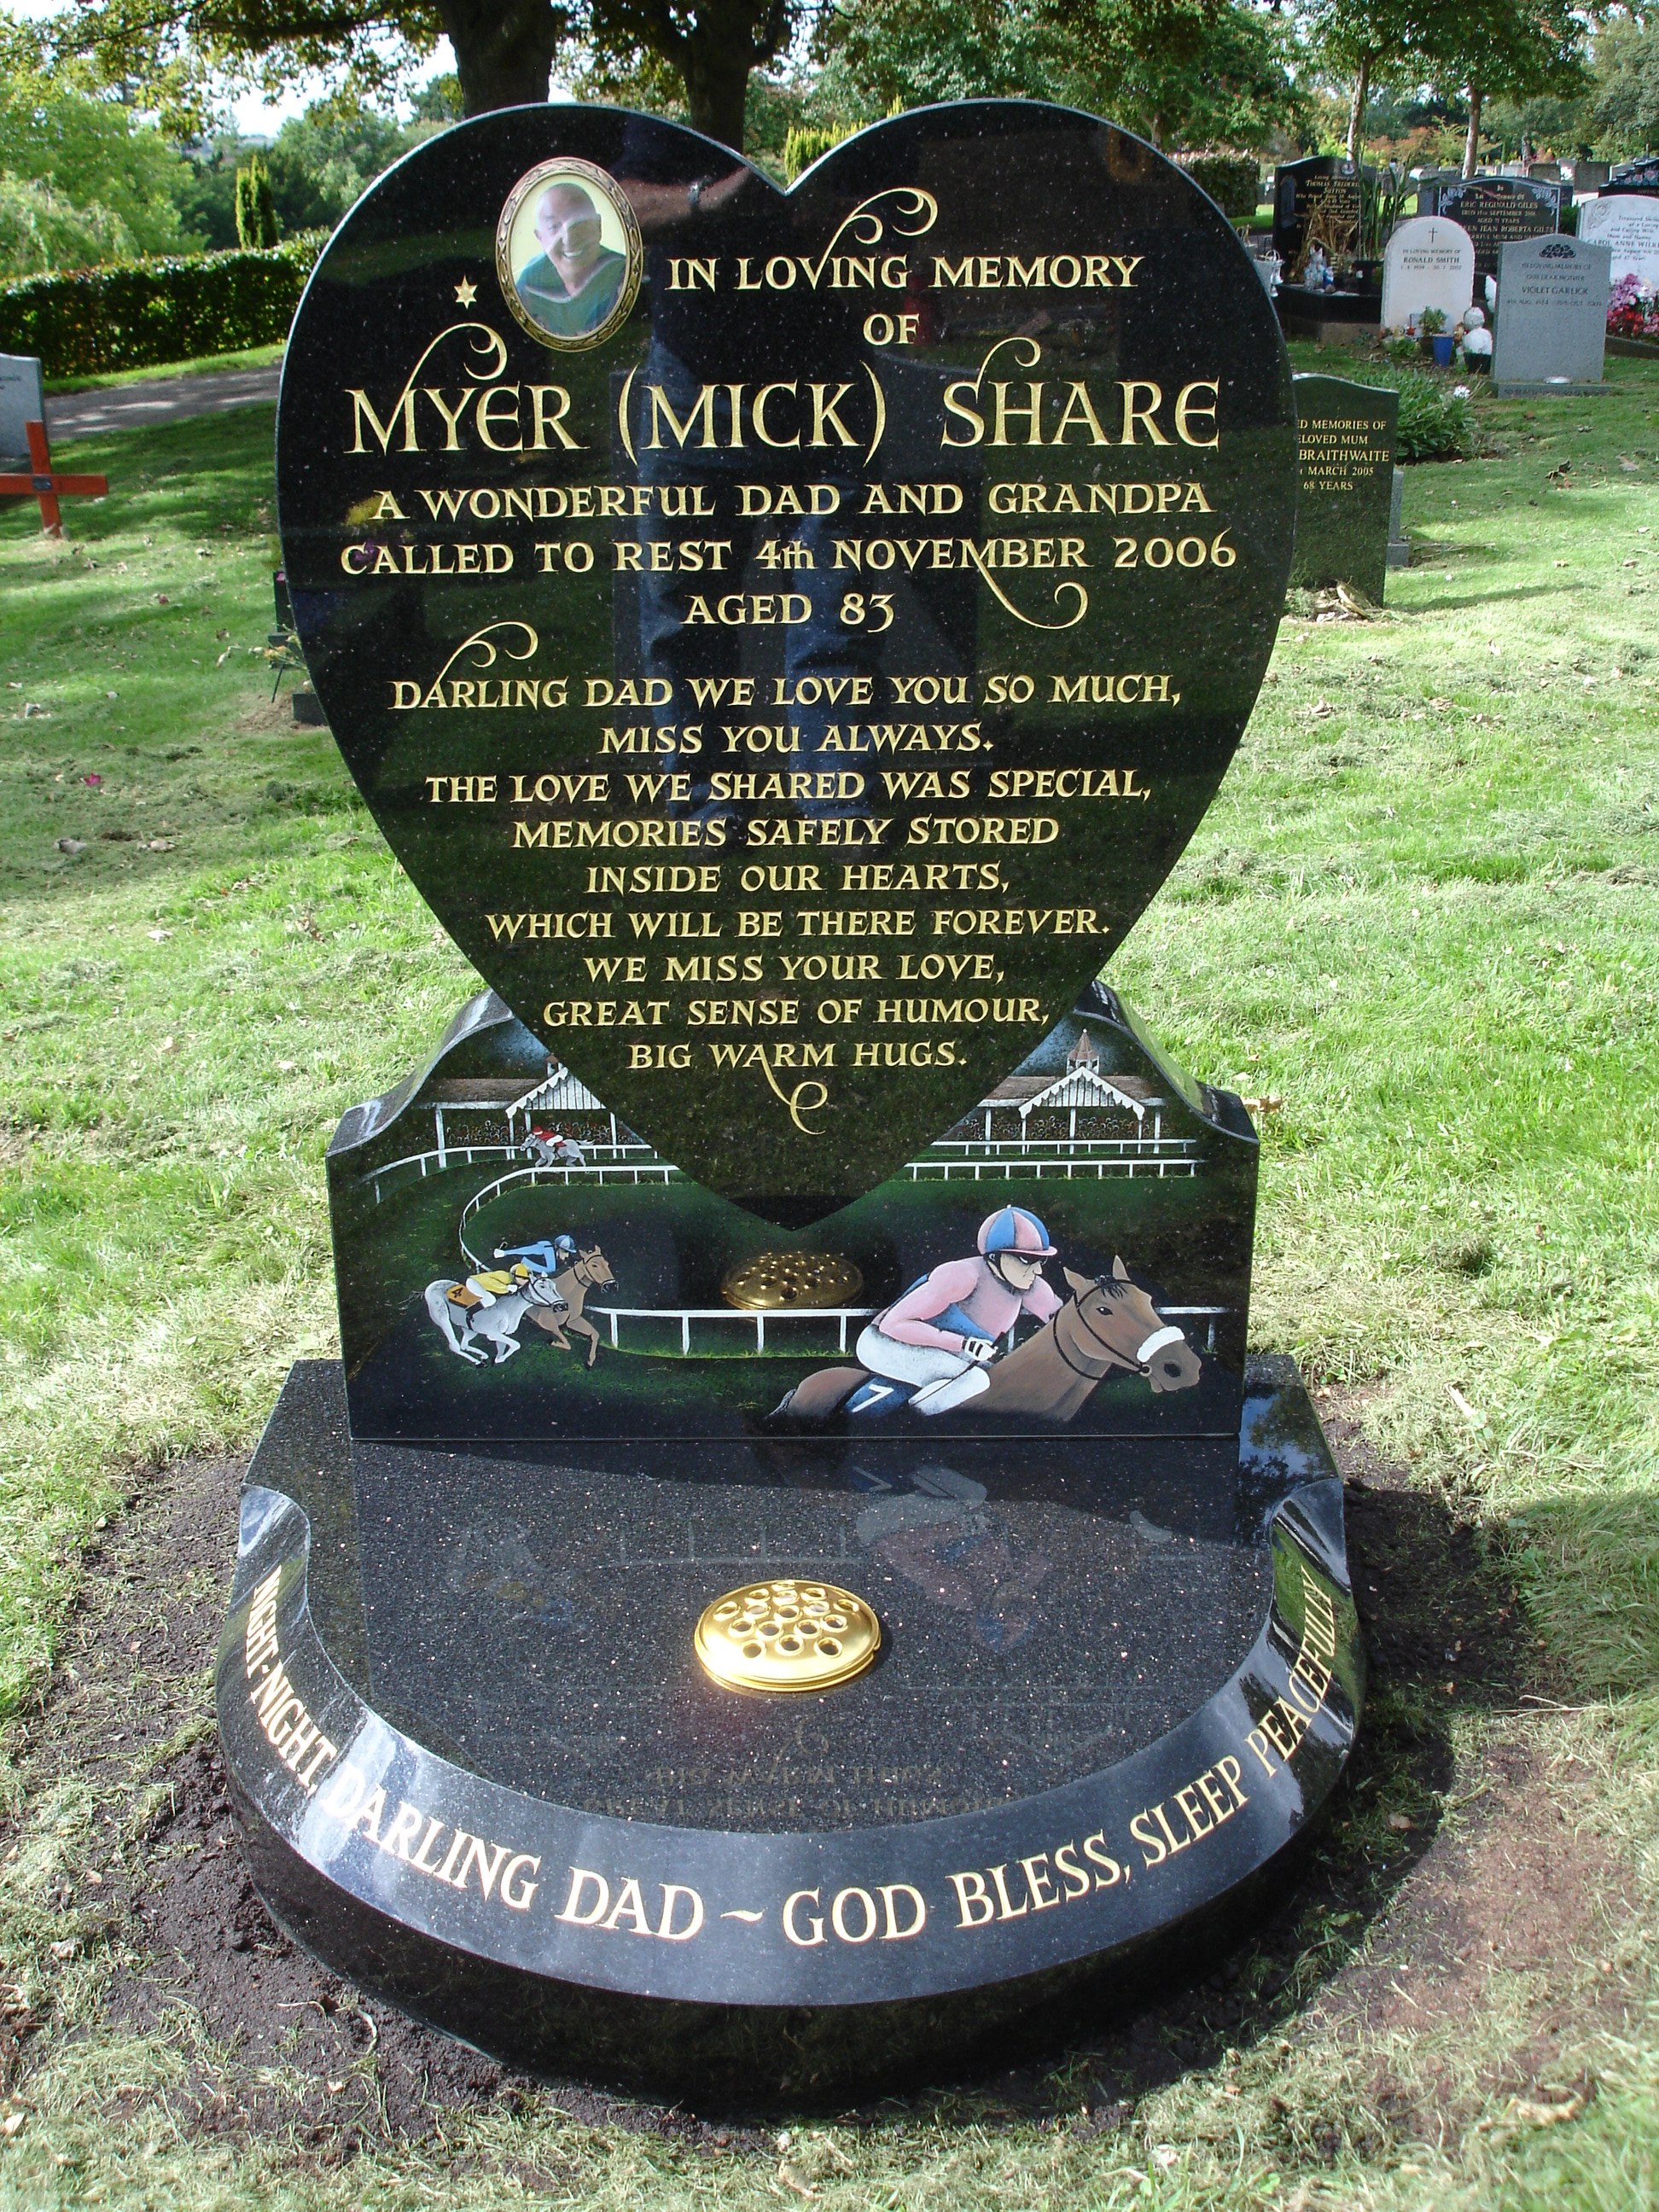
(517, 238)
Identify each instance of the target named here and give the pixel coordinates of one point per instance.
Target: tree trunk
(504, 50)
(1361, 86)
(715, 72)
(1472, 144)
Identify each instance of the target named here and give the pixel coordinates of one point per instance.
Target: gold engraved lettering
(1277, 1735)
(815, 1935)
(288, 1728)
(1219, 1786)
(629, 1910)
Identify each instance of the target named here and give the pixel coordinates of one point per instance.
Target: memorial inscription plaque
(1497, 210)
(23, 401)
(1627, 224)
(1428, 263)
(1317, 202)
(795, 1525)
(1551, 316)
(1345, 514)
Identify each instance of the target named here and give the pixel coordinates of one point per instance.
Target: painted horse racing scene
(1030, 1270)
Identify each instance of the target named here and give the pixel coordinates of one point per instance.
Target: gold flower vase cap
(778, 1280)
(786, 1636)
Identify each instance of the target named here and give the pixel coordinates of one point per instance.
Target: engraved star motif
(466, 292)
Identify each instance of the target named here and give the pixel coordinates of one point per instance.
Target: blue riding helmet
(1015, 1229)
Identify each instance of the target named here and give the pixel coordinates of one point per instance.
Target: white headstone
(1427, 263)
(1552, 314)
(22, 399)
(1629, 223)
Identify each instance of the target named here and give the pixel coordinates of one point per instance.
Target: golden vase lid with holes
(786, 1635)
(779, 1279)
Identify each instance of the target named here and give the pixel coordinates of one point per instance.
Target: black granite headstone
(1494, 211)
(788, 638)
(725, 676)
(1345, 448)
(1320, 201)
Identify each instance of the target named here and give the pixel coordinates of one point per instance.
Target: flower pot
(1443, 348)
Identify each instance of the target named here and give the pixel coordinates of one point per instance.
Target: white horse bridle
(1156, 1343)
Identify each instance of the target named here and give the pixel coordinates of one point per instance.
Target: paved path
(157, 399)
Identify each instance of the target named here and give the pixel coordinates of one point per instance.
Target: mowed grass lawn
(1422, 915)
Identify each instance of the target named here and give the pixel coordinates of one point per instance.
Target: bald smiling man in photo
(572, 283)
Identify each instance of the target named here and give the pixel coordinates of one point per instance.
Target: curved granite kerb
(556, 1936)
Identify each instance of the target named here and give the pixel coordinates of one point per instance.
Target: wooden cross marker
(46, 486)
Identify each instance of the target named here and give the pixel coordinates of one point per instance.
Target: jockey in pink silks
(931, 1347)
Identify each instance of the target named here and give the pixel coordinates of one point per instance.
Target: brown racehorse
(592, 1272)
(1108, 1325)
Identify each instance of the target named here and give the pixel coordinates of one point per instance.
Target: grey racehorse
(497, 1324)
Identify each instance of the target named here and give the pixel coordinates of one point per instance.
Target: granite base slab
(480, 1773)
(1553, 388)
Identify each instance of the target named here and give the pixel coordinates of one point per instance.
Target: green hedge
(133, 314)
(1231, 179)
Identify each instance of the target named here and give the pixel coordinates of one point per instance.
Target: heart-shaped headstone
(787, 637)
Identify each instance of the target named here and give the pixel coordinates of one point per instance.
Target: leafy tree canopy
(323, 161)
(40, 229)
(108, 185)
(1181, 72)
(1624, 103)
(504, 48)
(181, 56)
(1516, 47)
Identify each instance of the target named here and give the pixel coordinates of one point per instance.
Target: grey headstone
(1399, 551)
(1344, 451)
(1552, 315)
(22, 399)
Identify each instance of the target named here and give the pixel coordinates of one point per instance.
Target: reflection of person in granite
(941, 1539)
(574, 282)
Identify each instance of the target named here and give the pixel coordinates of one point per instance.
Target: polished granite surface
(1045, 1613)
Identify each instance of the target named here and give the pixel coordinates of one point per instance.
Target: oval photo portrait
(568, 255)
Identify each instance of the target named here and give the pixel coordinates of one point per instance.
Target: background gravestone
(1344, 449)
(1627, 224)
(1429, 262)
(1638, 176)
(1320, 198)
(1495, 210)
(1551, 316)
(771, 635)
(23, 401)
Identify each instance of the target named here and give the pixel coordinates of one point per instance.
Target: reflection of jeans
(822, 645)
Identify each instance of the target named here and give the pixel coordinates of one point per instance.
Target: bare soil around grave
(163, 1900)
